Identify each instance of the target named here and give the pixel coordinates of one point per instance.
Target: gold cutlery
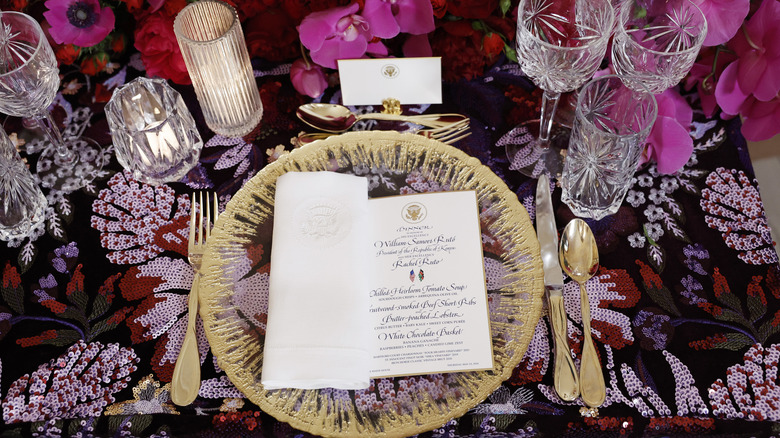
(185, 383)
(579, 257)
(565, 378)
(448, 134)
(334, 118)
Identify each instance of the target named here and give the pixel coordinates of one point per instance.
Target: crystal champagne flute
(29, 80)
(559, 47)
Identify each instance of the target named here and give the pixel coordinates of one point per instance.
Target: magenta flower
(724, 18)
(308, 78)
(758, 48)
(670, 144)
(759, 118)
(80, 22)
(390, 17)
(338, 33)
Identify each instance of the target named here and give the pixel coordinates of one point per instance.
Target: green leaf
(731, 301)
(656, 255)
(478, 25)
(732, 316)
(756, 309)
(99, 307)
(511, 54)
(27, 256)
(63, 338)
(768, 329)
(504, 5)
(140, 423)
(735, 342)
(14, 297)
(79, 298)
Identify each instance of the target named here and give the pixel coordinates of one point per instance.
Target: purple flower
(724, 18)
(80, 22)
(339, 33)
(390, 17)
(670, 144)
(308, 78)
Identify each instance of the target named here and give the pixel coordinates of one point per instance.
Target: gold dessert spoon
(579, 258)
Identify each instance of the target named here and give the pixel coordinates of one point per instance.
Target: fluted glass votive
(154, 134)
(22, 204)
(214, 50)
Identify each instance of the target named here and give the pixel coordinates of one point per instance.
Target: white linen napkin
(318, 321)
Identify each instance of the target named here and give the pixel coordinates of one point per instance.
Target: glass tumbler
(611, 124)
(22, 204)
(214, 50)
(154, 134)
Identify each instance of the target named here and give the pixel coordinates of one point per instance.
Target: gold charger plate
(234, 286)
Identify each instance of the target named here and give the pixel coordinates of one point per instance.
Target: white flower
(645, 181)
(669, 185)
(635, 198)
(637, 240)
(654, 230)
(654, 213)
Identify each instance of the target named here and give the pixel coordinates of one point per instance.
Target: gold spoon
(579, 258)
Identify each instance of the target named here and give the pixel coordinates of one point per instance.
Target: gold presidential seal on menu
(414, 212)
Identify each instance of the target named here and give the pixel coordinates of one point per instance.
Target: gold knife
(565, 378)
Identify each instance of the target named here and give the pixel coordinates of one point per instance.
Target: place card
(411, 81)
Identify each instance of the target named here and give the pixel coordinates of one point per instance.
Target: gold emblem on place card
(390, 71)
(414, 213)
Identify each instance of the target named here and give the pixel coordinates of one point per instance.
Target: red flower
(492, 44)
(272, 36)
(94, 64)
(11, 277)
(459, 45)
(472, 8)
(160, 53)
(66, 53)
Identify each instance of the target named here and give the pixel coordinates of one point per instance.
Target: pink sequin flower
(339, 33)
(80, 22)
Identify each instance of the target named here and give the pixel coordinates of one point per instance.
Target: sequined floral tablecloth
(685, 305)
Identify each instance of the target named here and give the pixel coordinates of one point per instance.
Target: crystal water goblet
(22, 204)
(29, 79)
(559, 47)
(611, 124)
(656, 42)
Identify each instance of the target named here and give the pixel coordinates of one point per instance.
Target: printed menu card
(362, 288)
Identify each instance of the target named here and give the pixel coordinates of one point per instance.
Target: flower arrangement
(735, 73)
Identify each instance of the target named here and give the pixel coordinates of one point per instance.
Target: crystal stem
(49, 127)
(549, 104)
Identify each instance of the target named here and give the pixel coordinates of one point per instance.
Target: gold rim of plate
(236, 338)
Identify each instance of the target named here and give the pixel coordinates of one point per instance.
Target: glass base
(58, 173)
(526, 155)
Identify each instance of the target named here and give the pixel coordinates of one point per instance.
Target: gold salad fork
(186, 374)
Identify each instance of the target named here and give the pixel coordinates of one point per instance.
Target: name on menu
(415, 250)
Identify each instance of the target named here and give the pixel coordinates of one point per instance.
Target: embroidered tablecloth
(685, 305)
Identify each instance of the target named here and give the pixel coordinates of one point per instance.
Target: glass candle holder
(214, 50)
(22, 204)
(611, 124)
(154, 134)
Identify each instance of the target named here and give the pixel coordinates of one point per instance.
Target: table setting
(510, 218)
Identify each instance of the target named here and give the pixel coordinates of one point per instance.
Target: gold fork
(186, 374)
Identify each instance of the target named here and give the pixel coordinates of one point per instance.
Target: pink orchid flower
(308, 78)
(759, 118)
(390, 17)
(758, 47)
(670, 144)
(80, 22)
(724, 18)
(338, 33)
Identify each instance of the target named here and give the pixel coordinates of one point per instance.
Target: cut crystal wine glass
(22, 204)
(559, 46)
(656, 42)
(29, 80)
